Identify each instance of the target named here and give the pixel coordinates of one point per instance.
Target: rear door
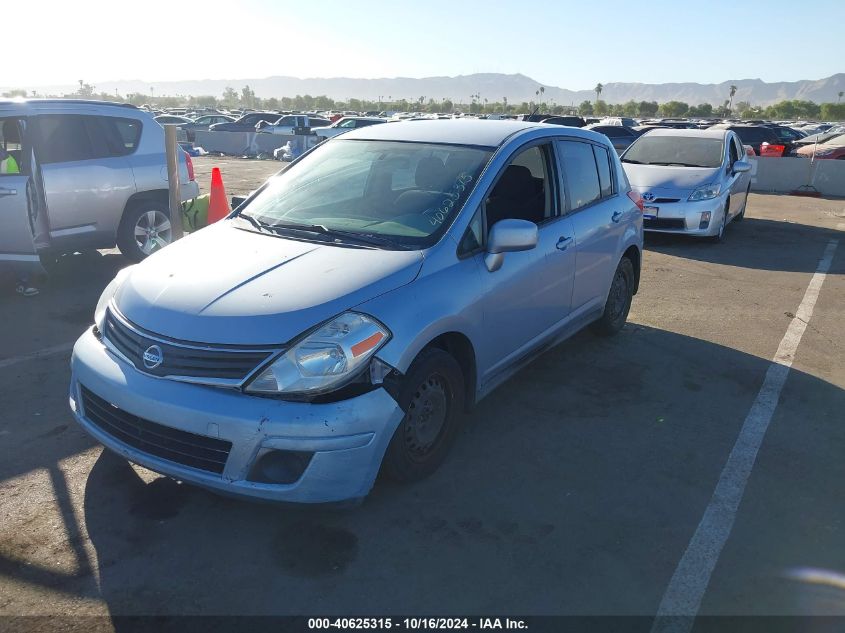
(16, 221)
(87, 177)
(735, 182)
(600, 214)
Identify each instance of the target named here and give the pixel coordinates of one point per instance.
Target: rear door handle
(616, 215)
(8, 192)
(563, 243)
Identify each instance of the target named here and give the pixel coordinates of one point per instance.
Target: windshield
(681, 151)
(407, 192)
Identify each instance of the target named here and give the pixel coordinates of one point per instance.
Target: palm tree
(841, 94)
(598, 90)
(731, 102)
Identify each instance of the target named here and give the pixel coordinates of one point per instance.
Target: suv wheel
(432, 396)
(145, 229)
(618, 300)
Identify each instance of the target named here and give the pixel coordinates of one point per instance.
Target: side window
(11, 151)
(473, 238)
(63, 138)
(605, 173)
(740, 150)
(733, 155)
(580, 173)
(124, 135)
(347, 124)
(524, 190)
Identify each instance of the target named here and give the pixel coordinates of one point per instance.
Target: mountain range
(490, 86)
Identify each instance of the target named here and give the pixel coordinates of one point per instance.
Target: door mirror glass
(509, 236)
(741, 166)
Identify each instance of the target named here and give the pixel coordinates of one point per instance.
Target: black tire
(138, 215)
(715, 239)
(618, 300)
(432, 396)
(741, 216)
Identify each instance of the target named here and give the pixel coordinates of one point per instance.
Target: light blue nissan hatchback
(341, 320)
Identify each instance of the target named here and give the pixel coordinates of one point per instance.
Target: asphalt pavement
(575, 488)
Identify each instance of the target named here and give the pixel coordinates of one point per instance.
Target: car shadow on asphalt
(753, 243)
(590, 468)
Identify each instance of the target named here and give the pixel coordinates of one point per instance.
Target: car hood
(646, 177)
(230, 286)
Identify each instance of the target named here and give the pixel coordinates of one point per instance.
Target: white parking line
(49, 351)
(683, 596)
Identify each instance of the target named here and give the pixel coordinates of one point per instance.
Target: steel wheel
(152, 231)
(426, 417)
(617, 301)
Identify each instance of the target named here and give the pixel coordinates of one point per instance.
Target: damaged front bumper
(178, 424)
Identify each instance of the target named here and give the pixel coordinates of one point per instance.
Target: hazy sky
(561, 43)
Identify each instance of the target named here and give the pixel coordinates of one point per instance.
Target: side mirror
(509, 236)
(741, 166)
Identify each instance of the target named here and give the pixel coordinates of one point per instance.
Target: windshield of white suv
(676, 151)
(403, 194)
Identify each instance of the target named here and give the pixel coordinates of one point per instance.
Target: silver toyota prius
(340, 320)
(691, 181)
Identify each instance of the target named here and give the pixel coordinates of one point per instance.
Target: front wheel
(145, 229)
(618, 300)
(722, 226)
(432, 396)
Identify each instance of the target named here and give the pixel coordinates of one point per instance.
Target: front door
(16, 196)
(530, 295)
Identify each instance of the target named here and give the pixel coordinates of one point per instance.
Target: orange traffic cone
(218, 204)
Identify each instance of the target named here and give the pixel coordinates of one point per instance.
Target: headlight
(707, 192)
(326, 359)
(106, 296)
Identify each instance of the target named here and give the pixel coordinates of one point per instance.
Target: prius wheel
(432, 396)
(722, 226)
(618, 300)
(144, 230)
(741, 216)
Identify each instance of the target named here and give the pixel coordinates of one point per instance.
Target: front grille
(181, 359)
(664, 200)
(664, 223)
(188, 449)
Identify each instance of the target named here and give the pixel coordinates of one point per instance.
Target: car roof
(708, 133)
(478, 132)
(36, 104)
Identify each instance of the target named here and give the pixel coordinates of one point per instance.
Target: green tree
(230, 97)
(14, 93)
(586, 108)
(247, 99)
(447, 105)
(598, 89)
(647, 108)
(839, 96)
(731, 101)
(674, 108)
(601, 108)
(832, 111)
(702, 110)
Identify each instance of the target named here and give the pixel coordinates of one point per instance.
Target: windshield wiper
(258, 224)
(634, 162)
(676, 164)
(371, 239)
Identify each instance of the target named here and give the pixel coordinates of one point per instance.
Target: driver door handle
(563, 243)
(616, 215)
(8, 192)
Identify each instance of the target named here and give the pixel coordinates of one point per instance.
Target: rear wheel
(618, 300)
(145, 229)
(432, 396)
